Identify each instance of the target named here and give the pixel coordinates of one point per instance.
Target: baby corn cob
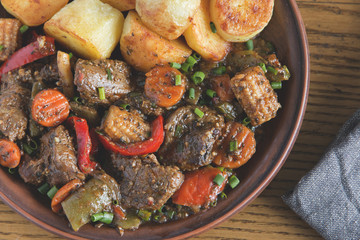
(10, 37)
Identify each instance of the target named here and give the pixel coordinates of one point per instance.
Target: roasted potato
(169, 18)
(89, 28)
(33, 13)
(240, 20)
(200, 37)
(122, 5)
(144, 49)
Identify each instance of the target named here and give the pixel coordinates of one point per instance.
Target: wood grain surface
(333, 28)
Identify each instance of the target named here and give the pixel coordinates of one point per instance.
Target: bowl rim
(304, 46)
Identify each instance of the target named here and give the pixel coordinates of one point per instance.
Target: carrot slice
(222, 87)
(162, 87)
(9, 154)
(50, 108)
(236, 148)
(119, 212)
(63, 193)
(198, 188)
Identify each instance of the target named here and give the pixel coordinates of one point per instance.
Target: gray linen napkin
(328, 197)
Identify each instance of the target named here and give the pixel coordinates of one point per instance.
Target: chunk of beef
(112, 75)
(255, 94)
(144, 183)
(59, 155)
(124, 126)
(23, 77)
(10, 37)
(139, 101)
(32, 170)
(49, 73)
(13, 109)
(239, 59)
(189, 139)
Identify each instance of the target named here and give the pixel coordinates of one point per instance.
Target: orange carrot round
(236, 148)
(165, 85)
(9, 154)
(222, 87)
(63, 193)
(50, 108)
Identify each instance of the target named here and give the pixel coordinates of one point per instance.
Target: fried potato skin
(93, 34)
(144, 49)
(33, 12)
(200, 37)
(240, 20)
(122, 5)
(169, 18)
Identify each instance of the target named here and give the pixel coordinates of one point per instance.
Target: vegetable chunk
(89, 28)
(144, 49)
(10, 37)
(122, 5)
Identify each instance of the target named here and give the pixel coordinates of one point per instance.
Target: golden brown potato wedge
(169, 18)
(90, 28)
(144, 49)
(122, 5)
(200, 37)
(240, 20)
(33, 13)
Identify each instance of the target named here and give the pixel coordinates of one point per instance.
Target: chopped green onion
(175, 65)
(109, 75)
(221, 168)
(210, 93)
(43, 189)
(250, 45)
(160, 210)
(1, 47)
(223, 195)
(107, 218)
(70, 55)
(246, 121)
(198, 77)
(51, 193)
(192, 93)
(24, 28)
(125, 106)
(276, 85)
(77, 100)
(144, 215)
(115, 202)
(199, 112)
(219, 179)
(196, 56)
(272, 70)
(214, 203)
(219, 70)
(178, 80)
(27, 149)
(263, 66)
(213, 28)
(101, 93)
(233, 181)
(157, 217)
(185, 67)
(97, 216)
(191, 60)
(12, 170)
(178, 131)
(33, 145)
(170, 214)
(233, 146)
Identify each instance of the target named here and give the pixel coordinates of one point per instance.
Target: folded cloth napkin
(328, 197)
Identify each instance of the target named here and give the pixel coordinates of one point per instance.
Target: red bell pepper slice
(139, 148)
(42, 47)
(84, 144)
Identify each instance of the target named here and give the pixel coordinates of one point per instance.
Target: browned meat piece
(273, 60)
(10, 37)
(24, 77)
(49, 73)
(240, 59)
(112, 75)
(255, 94)
(189, 139)
(59, 155)
(124, 126)
(144, 183)
(13, 108)
(139, 101)
(32, 171)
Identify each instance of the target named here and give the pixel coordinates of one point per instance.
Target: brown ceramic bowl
(287, 32)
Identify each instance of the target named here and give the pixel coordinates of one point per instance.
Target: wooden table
(333, 28)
